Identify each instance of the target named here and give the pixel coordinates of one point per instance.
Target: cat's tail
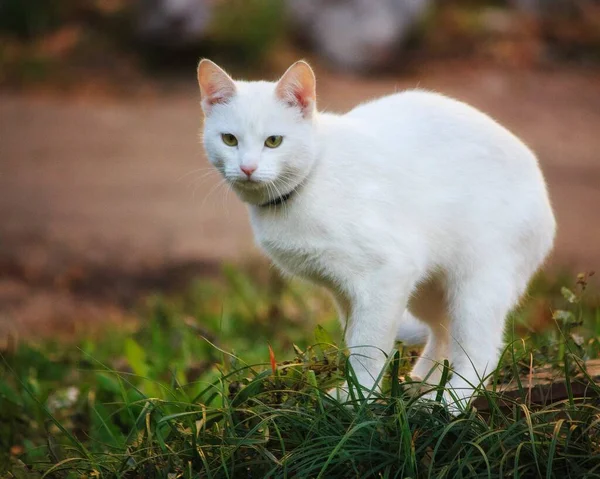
(412, 331)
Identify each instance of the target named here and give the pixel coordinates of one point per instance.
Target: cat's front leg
(376, 307)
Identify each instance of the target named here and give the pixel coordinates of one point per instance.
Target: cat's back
(413, 101)
(423, 115)
(437, 154)
(429, 131)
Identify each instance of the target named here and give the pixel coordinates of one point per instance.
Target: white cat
(424, 217)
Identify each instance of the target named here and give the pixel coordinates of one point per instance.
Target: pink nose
(248, 169)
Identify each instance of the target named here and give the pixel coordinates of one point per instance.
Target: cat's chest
(306, 247)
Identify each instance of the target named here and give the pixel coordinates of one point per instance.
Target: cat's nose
(248, 169)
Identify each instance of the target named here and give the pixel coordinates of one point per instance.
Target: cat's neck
(280, 199)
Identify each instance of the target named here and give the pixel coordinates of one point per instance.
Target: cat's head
(259, 135)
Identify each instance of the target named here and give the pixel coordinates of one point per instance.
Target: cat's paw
(343, 395)
(454, 401)
(416, 387)
(340, 393)
(457, 401)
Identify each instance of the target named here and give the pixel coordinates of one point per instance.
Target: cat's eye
(229, 139)
(273, 141)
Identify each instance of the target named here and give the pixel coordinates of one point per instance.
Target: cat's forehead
(254, 89)
(255, 97)
(255, 108)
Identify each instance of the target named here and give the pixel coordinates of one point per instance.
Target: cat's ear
(216, 86)
(297, 88)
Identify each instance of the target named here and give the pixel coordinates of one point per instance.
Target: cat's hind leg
(411, 330)
(430, 364)
(426, 322)
(479, 302)
(428, 368)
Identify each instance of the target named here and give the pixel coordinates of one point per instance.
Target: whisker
(212, 190)
(196, 170)
(196, 183)
(288, 184)
(269, 193)
(279, 195)
(225, 198)
(201, 179)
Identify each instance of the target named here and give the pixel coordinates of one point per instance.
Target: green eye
(229, 139)
(273, 141)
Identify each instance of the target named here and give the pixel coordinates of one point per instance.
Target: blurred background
(106, 196)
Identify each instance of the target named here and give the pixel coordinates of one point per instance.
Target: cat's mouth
(248, 184)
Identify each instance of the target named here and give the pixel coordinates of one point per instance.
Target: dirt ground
(102, 200)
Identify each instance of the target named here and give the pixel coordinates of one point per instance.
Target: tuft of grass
(175, 399)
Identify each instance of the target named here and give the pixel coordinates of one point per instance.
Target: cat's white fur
(410, 206)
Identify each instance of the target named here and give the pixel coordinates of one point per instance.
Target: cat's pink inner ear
(216, 86)
(297, 88)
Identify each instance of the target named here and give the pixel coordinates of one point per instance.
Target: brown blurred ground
(99, 200)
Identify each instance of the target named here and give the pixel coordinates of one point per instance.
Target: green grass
(191, 392)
